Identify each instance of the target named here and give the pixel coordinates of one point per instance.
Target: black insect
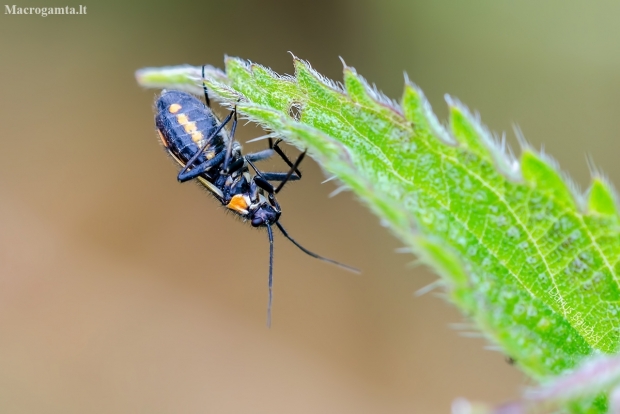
(193, 135)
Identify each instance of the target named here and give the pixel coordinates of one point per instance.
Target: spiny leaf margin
(521, 251)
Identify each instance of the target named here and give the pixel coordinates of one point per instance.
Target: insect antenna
(309, 253)
(270, 234)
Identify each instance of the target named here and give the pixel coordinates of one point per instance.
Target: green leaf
(520, 251)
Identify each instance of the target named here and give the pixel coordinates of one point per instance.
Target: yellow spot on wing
(197, 137)
(238, 204)
(182, 119)
(174, 108)
(190, 127)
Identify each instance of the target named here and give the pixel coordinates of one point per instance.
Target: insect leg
(316, 256)
(279, 176)
(230, 141)
(235, 165)
(261, 182)
(204, 87)
(260, 155)
(292, 170)
(278, 150)
(273, 176)
(200, 168)
(264, 184)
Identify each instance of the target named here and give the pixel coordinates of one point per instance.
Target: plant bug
(197, 140)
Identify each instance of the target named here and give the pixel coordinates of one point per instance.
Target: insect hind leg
(275, 146)
(186, 175)
(230, 141)
(263, 177)
(294, 169)
(279, 176)
(204, 88)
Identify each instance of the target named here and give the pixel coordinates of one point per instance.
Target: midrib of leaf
(517, 251)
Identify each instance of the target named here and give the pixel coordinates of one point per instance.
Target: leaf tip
(234, 65)
(439, 256)
(602, 197)
(361, 91)
(305, 74)
(182, 77)
(543, 172)
(419, 112)
(468, 130)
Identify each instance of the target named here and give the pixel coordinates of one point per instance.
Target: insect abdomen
(184, 124)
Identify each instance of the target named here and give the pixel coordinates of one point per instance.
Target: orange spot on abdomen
(238, 204)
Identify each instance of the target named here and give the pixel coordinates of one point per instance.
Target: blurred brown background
(122, 291)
